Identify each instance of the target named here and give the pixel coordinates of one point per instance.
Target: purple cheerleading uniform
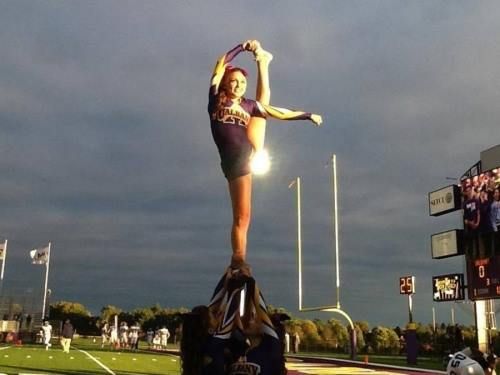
(229, 125)
(229, 128)
(229, 122)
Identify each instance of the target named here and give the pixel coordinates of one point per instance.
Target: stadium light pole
(4, 256)
(2, 267)
(434, 320)
(47, 264)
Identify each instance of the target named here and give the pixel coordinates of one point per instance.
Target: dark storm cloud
(107, 152)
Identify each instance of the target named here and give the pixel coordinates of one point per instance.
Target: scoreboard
(407, 285)
(448, 287)
(483, 278)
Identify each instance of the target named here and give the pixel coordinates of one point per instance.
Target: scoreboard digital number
(483, 278)
(407, 285)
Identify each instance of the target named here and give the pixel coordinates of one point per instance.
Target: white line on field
(5, 347)
(98, 362)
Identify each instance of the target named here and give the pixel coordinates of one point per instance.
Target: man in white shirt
(124, 335)
(134, 336)
(164, 335)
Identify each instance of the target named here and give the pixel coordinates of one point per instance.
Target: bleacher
(20, 309)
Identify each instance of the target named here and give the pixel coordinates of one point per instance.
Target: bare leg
(240, 190)
(257, 126)
(263, 59)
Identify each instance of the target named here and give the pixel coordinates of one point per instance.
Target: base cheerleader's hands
(317, 120)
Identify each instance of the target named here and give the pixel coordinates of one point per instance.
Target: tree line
(315, 335)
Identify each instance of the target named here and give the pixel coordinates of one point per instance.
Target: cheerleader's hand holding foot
(259, 53)
(251, 45)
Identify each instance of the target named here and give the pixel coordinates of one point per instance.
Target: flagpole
(46, 282)
(3, 269)
(3, 260)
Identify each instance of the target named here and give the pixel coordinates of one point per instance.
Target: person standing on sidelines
(104, 334)
(149, 337)
(67, 335)
(296, 342)
(134, 336)
(47, 334)
(157, 340)
(164, 335)
(287, 342)
(123, 331)
(113, 337)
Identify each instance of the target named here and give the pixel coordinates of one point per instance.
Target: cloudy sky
(106, 147)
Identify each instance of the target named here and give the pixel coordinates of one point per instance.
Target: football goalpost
(334, 308)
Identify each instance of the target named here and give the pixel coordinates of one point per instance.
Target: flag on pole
(40, 256)
(2, 251)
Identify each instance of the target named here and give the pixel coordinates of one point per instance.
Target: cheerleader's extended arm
(288, 114)
(222, 62)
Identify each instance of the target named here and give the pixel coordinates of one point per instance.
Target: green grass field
(430, 363)
(84, 358)
(34, 359)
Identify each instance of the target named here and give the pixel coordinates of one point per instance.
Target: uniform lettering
(232, 115)
(244, 368)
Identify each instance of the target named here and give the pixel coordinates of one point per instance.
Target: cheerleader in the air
(238, 129)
